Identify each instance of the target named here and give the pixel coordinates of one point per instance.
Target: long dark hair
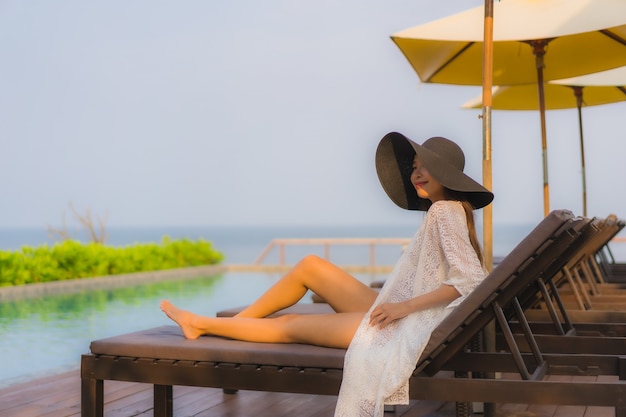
(469, 217)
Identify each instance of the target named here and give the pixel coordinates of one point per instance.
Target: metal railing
(326, 243)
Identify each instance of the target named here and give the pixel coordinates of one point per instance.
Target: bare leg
(330, 330)
(341, 290)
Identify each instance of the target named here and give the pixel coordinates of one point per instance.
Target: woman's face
(425, 185)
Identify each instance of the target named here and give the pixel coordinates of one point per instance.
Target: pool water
(45, 336)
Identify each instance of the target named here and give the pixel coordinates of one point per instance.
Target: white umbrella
(587, 90)
(533, 41)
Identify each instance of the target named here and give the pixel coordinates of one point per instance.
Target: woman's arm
(385, 313)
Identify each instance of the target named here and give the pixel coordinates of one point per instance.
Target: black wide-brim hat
(442, 158)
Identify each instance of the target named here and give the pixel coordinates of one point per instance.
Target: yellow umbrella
(533, 41)
(558, 95)
(588, 90)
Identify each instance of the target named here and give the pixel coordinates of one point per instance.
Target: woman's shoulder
(446, 206)
(446, 212)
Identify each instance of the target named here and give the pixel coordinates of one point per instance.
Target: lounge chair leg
(620, 410)
(230, 391)
(463, 409)
(163, 403)
(91, 397)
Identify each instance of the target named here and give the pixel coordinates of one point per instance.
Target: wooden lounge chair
(164, 358)
(611, 270)
(554, 330)
(586, 285)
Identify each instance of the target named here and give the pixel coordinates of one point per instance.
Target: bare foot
(183, 318)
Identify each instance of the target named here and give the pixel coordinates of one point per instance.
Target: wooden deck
(59, 396)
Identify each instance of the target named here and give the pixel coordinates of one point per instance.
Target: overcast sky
(247, 112)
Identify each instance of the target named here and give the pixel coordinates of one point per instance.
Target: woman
(385, 332)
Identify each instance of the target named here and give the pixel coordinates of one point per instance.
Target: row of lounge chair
(529, 296)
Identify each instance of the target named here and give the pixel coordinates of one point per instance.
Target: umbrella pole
(578, 93)
(489, 332)
(486, 119)
(539, 51)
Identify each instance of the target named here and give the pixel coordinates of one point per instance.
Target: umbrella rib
(452, 58)
(613, 36)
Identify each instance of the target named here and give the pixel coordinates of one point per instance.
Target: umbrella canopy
(588, 90)
(609, 78)
(558, 95)
(533, 41)
(580, 36)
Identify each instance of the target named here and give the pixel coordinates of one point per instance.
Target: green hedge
(72, 259)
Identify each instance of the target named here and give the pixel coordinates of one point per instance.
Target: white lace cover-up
(378, 363)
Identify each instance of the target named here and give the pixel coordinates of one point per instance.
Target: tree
(95, 230)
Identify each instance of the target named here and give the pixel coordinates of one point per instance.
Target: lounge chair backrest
(525, 262)
(587, 232)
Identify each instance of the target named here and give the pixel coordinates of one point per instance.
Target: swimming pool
(45, 336)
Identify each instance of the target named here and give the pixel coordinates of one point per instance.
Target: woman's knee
(312, 262)
(286, 323)
(308, 263)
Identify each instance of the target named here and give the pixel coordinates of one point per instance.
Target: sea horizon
(243, 244)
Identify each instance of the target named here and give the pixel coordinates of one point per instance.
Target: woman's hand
(386, 313)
